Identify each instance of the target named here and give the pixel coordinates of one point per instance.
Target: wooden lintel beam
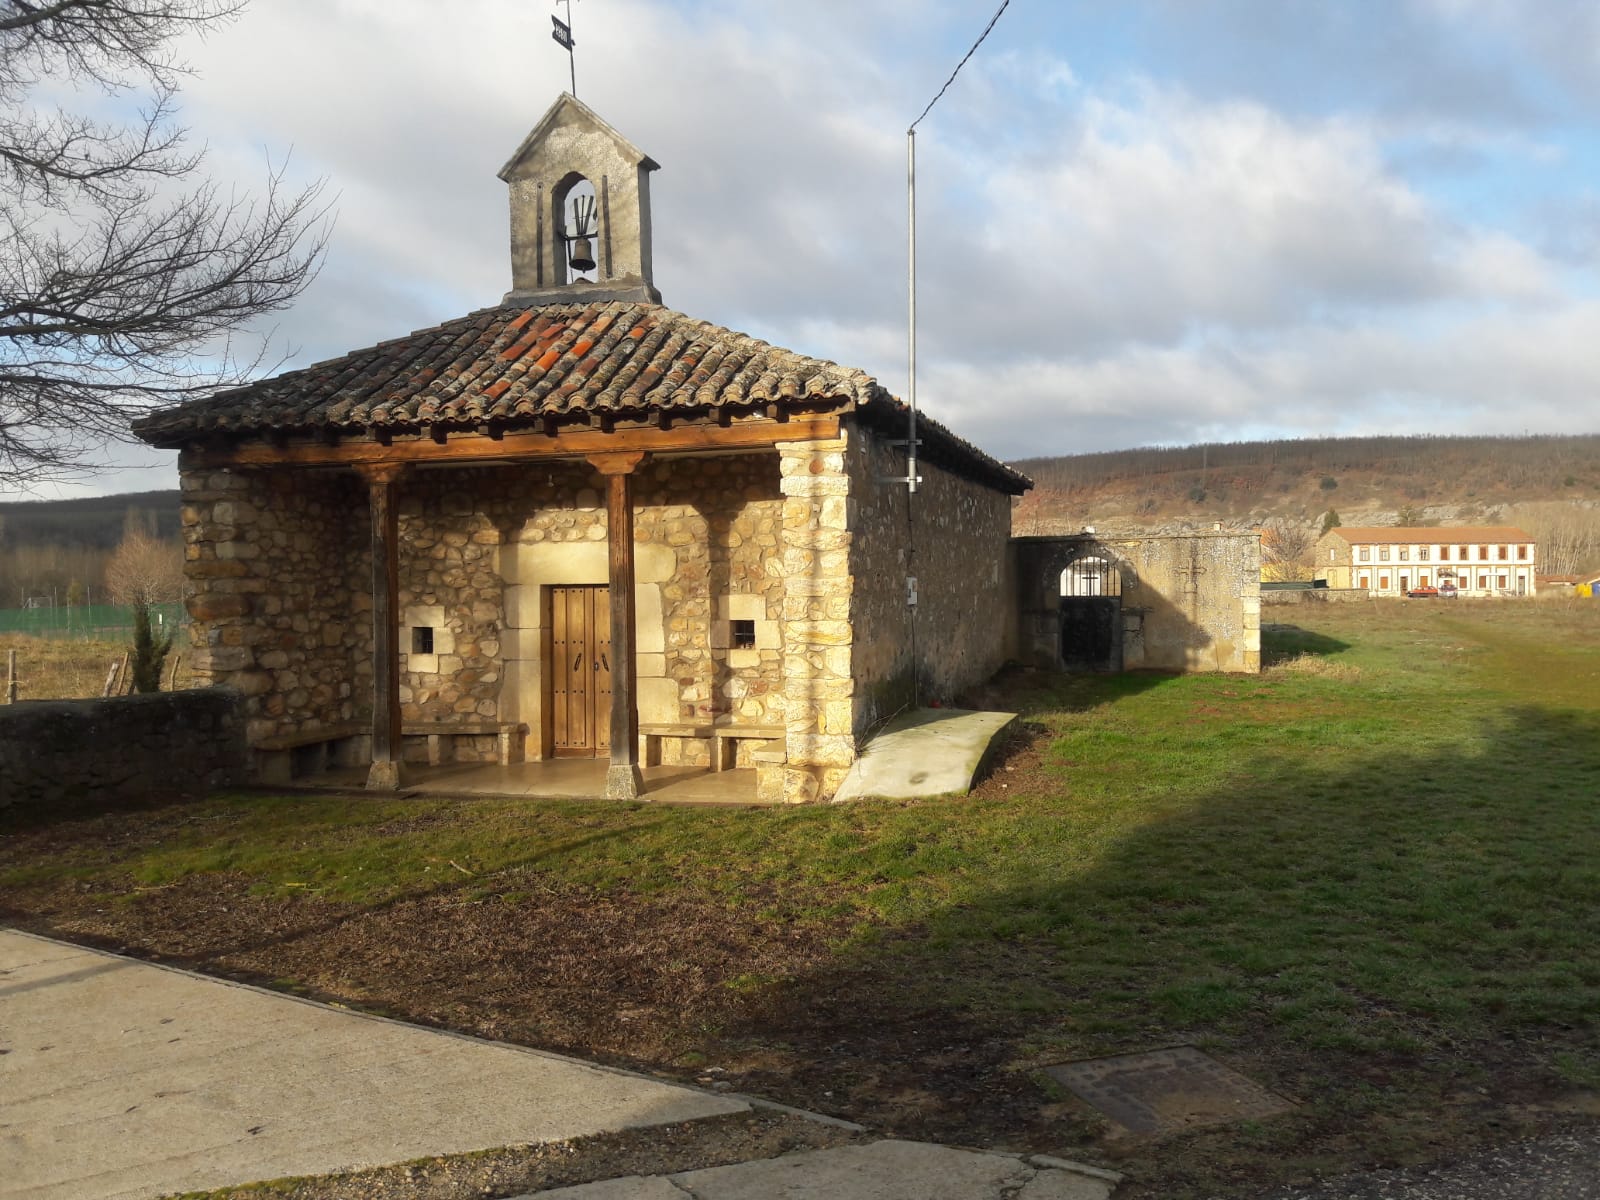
(468, 449)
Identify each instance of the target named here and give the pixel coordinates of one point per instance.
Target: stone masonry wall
(97, 754)
(847, 630)
(956, 546)
(449, 586)
(1193, 602)
(705, 548)
(279, 575)
(277, 569)
(817, 635)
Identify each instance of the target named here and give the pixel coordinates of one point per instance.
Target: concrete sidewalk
(887, 1170)
(120, 1079)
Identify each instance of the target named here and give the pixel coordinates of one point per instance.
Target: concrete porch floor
(556, 779)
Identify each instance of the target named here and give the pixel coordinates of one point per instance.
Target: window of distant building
(1444, 553)
(1383, 580)
(1366, 554)
(1503, 553)
(1502, 578)
(1383, 553)
(1366, 580)
(1463, 556)
(1483, 554)
(1405, 553)
(1423, 554)
(1522, 554)
(1483, 581)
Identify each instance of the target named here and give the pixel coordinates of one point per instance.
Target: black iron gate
(1091, 616)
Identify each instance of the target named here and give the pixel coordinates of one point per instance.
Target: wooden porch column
(623, 780)
(382, 479)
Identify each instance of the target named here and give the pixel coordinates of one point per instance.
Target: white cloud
(1107, 258)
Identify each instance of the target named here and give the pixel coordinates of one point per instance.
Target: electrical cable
(986, 29)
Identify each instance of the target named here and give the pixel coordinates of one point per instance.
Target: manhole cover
(1163, 1091)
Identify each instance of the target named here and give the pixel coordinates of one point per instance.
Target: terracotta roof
(1443, 535)
(515, 365)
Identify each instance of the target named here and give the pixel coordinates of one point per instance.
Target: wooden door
(580, 671)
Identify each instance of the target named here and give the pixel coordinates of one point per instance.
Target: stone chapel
(580, 524)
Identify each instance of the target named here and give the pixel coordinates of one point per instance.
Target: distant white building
(1475, 560)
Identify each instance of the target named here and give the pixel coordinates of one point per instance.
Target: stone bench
(511, 737)
(653, 733)
(724, 734)
(728, 733)
(284, 757)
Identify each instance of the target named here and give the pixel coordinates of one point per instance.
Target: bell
(581, 255)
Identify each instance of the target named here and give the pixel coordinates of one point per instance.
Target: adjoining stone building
(1179, 602)
(579, 523)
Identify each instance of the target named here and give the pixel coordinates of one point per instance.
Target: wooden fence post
(11, 677)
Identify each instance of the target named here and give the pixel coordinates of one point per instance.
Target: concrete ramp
(925, 752)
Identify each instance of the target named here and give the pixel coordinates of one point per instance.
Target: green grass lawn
(1370, 875)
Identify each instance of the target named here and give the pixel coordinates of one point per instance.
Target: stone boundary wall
(79, 754)
(1315, 596)
(1189, 602)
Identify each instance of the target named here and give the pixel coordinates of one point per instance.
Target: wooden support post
(12, 684)
(385, 773)
(623, 779)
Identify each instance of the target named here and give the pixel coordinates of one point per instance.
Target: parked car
(1424, 593)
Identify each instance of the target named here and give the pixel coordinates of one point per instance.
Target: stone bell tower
(580, 211)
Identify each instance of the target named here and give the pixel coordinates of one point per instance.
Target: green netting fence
(90, 622)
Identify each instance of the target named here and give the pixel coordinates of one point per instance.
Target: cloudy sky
(1140, 221)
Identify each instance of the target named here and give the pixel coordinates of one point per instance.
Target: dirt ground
(656, 984)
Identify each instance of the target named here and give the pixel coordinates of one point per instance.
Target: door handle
(577, 662)
(603, 659)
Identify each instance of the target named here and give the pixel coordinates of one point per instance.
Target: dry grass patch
(70, 669)
(1318, 666)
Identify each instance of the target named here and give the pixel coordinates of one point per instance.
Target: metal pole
(572, 53)
(911, 306)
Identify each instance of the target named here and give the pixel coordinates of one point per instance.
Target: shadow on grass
(1374, 939)
(1279, 643)
(1031, 691)
(304, 818)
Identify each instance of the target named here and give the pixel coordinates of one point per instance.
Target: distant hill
(94, 522)
(1367, 481)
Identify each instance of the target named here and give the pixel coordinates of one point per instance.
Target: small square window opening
(742, 635)
(422, 639)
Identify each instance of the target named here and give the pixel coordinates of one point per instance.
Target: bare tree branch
(1286, 550)
(144, 570)
(118, 291)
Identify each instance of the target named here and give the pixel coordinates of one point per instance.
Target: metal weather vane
(561, 34)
